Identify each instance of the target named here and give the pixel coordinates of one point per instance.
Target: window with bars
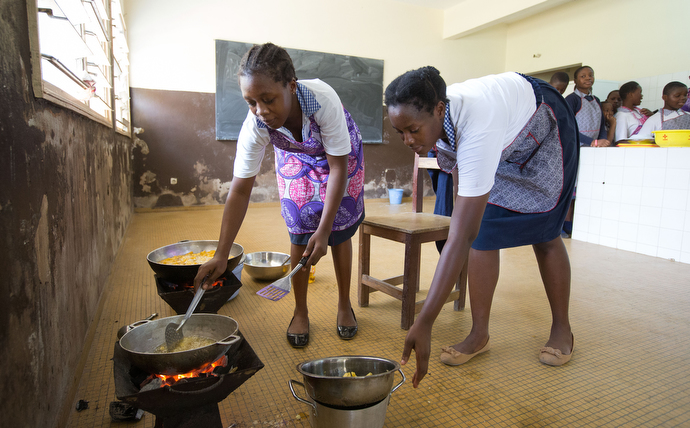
(80, 57)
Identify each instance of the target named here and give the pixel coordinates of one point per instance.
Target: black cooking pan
(184, 273)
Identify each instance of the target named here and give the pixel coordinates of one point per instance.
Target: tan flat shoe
(452, 357)
(554, 357)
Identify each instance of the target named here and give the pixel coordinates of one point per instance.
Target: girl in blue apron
(320, 171)
(514, 142)
(672, 116)
(590, 118)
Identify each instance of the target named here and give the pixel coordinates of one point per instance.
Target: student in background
(590, 118)
(629, 118)
(675, 95)
(614, 97)
(610, 118)
(560, 80)
(686, 106)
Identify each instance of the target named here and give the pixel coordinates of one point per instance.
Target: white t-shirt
(487, 114)
(654, 123)
(330, 117)
(627, 122)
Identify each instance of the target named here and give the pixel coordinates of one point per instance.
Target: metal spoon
(173, 332)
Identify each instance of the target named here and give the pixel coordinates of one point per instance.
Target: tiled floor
(630, 315)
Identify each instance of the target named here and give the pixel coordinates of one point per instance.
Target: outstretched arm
(464, 227)
(337, 179)
(233, 214)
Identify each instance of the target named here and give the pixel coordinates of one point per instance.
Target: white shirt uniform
(330, 117)
(627, 122)
(487, 114)
(654, 123)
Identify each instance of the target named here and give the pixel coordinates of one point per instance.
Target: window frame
(52, 93)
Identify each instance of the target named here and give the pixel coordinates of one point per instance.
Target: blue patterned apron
(680, 122)
(302, 171)
(589, 117)
(529, 178)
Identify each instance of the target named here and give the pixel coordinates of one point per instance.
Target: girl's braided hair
(269, 60)
(423, 88)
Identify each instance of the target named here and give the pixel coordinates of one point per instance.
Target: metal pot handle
(137, 324)
(401, 382)
(301, 400)
(232, 340)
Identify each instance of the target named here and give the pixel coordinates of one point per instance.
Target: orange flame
(171, 379)
(218, 283)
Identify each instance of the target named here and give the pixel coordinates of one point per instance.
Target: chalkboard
(358, 82)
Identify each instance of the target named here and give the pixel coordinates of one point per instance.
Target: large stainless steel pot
(183, 273)
(140, 343)
(323, 416)
(324, 381)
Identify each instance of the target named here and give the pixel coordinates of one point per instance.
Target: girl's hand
(646, 112)
(610, 118)
(317, 247)
(419, 339)
(601, 143)
(214, 268)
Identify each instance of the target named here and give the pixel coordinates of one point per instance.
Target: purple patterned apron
(589, 118)
(302, 171)
(529, 178)
(680, 122)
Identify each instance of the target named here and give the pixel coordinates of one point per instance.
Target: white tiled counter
(635, 199)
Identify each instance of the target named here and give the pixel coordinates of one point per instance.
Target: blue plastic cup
(395, 196)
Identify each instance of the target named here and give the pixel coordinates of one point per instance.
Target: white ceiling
(433, 4)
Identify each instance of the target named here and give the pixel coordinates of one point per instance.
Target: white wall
(172, 41)
(635, 199)
(621, 39)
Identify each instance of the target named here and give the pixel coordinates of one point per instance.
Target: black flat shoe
(297, 340)
(348, 332)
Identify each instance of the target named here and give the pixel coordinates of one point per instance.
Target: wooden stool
(412, 229)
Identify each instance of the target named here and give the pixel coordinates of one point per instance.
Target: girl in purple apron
(320, 170)
(514, 142)
(590, 118)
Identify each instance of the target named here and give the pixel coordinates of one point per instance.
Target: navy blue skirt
(503, 228)
(335, 238)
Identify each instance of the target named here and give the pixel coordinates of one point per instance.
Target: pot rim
(187, 242)
(396, 367)
(175, 318)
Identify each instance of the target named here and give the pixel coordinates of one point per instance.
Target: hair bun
(431, 70)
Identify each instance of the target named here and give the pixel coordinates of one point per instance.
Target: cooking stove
(190, 402)
(180, 294)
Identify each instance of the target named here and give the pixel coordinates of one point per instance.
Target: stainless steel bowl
(267, 265)
(324, 381)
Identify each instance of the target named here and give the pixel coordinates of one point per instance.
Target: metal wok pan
(184, 273)
(140, 343)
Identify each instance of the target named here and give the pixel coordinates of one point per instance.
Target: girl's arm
(602, 140)
(317, 246)
(233, 214)
(464, 227)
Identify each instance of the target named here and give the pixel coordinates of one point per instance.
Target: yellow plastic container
(312, 274)
(672, 138)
